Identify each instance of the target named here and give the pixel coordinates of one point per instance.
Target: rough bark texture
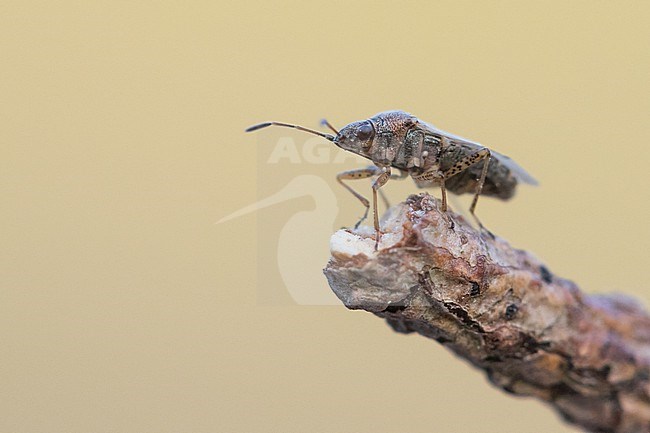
(533, 333)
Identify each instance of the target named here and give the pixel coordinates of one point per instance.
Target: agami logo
(289, 247)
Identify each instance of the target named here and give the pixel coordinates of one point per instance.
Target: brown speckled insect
(395, 139)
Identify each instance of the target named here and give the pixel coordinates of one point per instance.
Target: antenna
(329, 137)
(329, 125)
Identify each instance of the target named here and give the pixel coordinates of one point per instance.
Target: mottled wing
(521, 174)
(515, 168)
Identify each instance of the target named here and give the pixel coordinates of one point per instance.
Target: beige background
(124, 308)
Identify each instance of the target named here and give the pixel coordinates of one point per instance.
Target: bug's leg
(382, 194)
(443, 192)
(360, 173)
(379, 182)
(464, 164)
(402, 175)
(434, 176)
(479, 187)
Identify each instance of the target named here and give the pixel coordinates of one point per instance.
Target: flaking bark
(533, 333)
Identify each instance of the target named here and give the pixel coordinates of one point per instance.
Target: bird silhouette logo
(295, 241)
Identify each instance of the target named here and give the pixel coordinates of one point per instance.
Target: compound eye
(365, 131)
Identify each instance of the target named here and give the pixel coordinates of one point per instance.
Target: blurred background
(125, 308)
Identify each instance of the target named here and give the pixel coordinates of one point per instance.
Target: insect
(432, 157)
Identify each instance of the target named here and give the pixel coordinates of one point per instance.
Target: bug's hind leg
(479, 189)
(360, 173)
(465, 163)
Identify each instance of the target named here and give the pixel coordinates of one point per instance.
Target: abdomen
(499, 182)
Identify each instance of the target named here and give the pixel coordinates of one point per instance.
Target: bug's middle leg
(437, 177)
(443, 193)
(434, 176)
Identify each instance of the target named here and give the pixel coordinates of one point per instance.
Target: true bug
(432, 157)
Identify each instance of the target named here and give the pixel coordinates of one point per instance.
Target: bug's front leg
(379, 182)
(402, 175)
(360, 173)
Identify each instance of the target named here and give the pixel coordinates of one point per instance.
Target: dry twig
(533, 333)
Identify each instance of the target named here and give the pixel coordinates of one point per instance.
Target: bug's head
(357, 137)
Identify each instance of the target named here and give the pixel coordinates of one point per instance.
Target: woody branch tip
(533, 333)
